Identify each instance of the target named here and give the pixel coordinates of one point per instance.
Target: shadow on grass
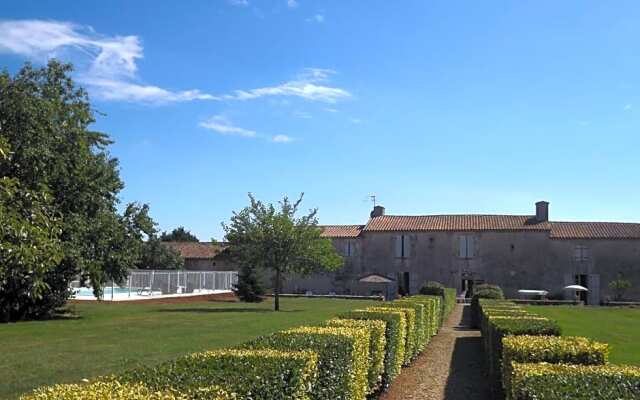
(223, 310)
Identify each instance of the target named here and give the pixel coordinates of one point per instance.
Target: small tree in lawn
(273, 238)
(618, 287)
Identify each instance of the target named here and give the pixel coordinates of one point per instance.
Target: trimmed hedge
(448, 296)
(449, 301)
(264, 374)
(395, 333)
(434, 310)
(411, 344)
(549, 349)
(483, 291)
(542, 381)
(342, 357)
(114, 390)
(422, 322)
(377, 345)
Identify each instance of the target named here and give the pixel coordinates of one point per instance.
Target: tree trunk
(277, 291)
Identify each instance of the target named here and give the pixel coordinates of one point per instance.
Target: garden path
(451, 368)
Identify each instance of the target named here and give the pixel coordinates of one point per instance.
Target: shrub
(264, 374)
(249, 288)
(432, 288)
(114, 390)
(544, 381)
(484, 291)
(434, 309)
(449, 300)
(550, 349)
(342, 358)
(410, 348)
(394, 333)
(377, 344)
(422, 321)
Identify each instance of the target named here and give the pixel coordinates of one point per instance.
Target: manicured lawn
(620, 327)
(112, 337)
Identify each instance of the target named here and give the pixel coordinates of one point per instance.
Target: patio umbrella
(577, 288)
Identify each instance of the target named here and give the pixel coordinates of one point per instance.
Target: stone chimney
(542, 211)
(378, 211)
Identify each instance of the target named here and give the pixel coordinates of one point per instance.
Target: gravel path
(451, 368)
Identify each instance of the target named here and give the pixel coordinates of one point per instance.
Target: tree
(274, 239)
(157, 255)
(45, 120)
(619, 287)
(249, 288)
(179, 234)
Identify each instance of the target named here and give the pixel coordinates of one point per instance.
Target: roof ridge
(456, 215)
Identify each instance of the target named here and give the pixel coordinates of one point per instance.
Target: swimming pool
(88, 292)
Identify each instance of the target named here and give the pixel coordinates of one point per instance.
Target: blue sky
(434, 106)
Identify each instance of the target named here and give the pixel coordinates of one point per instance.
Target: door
(404, 284)
(594, 289)
(582, 280)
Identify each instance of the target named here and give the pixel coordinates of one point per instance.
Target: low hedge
(377, 345)
(480, 292)
(395, 333)
(549, 349)
(411, 344)
(448, 296)
(115, 390)
(342, 358)
(543, 381)
(449, 301)
(434, 310)
(264, 374)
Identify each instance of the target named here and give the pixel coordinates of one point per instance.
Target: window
(466, 247)
(581, 253)
(349, 248)
(403, 246)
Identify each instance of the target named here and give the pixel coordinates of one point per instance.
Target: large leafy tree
(275, 239)
(157, 255)
(179, 234)
(45, 119)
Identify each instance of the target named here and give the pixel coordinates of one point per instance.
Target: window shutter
(462, 247)
(398, 246)
(347, 248)
(471, 246)
(407, 246)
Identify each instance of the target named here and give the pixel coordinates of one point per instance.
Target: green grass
(620, 327)
(108, 338)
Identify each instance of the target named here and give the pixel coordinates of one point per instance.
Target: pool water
(88, 292)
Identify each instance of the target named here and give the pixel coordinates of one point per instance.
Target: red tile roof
(196, 249)
(594, 230)
(341, 231)
(389, 223)
(467, 223)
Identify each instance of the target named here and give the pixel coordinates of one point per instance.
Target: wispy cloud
(281, 139)
(627, 107)
(292, 3)
(239, 3)
(302, 114)
(319, 18)
(355, 120)
(110, 70)
(223, 125)
(331, 110)
(310, 85)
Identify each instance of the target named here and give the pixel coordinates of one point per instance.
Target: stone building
(203, 256)
(513, 251)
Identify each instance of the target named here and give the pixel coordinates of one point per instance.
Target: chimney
(378, 211)
(542, 211)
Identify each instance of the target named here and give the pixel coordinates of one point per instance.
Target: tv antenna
(372, 196)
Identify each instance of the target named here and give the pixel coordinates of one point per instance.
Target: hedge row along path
(451, 368)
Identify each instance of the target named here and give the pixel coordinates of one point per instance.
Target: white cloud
(239, 3)
(302, 114)
(331, 110)
(110, 71)
(223, 125)
(355, 120)
(281, 139)
(627, 107)
(292, 3)
(319, 18)
(310, 85)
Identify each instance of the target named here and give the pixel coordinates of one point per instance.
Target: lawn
(620, 327)
(111, 337)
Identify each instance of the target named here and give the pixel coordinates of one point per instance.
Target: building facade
(460, 251)
(203, 256)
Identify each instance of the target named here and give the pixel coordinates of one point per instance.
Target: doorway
(467, 288)
(582, 279)
(404, 284)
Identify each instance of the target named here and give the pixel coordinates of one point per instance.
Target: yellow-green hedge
(266, 374)
(377, 345)
(422, 322)
(543, 381)
(395, 335)
(113, 390)
(549, 349)
(432, 312)
(342, 358)
(410, 335)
